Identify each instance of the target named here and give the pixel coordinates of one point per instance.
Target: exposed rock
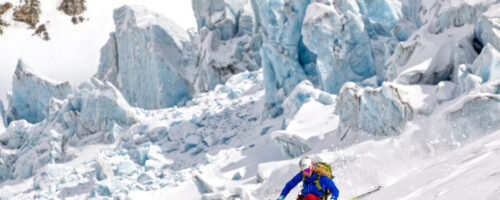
(28, 13)
(42, 32)
(73, 7)
(3, 8)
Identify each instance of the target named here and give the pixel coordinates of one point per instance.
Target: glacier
(226, 42)
(322, 41)
(148, 58)
(359, 84)
(31, 94)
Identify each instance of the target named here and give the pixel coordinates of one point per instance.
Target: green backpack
(328, 169)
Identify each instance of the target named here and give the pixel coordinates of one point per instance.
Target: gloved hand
(281, 198)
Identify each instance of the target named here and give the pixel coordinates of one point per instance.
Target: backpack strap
(316, 183)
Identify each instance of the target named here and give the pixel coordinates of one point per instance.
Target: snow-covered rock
(31, 94)
(148, 58)
(226, 42)
(380, 111)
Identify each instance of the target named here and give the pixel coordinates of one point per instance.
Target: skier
(317, 181)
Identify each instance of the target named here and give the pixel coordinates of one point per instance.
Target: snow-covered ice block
(474, 116)
(487, 27)
(202, 185)
(429, 59)
(290, 144)
(148, 58)
(380, 111)
(487, 64)
(31, 94)
(34, 148)
(466, 81)
(99, 103)
(51, 177)
(303, 93)
(151, 157)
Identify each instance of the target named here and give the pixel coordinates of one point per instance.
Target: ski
(366, 193)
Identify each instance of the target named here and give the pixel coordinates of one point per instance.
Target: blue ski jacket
(310, 187)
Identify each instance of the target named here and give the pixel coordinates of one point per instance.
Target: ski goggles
(307, 171)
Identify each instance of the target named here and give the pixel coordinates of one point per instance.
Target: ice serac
(285, 59)
(487, 27)
(487, 64)
(31, 94)
(226, 42)
(379, 111)
(148, 58)
(2, 115)
(450, 14)
(343, 48)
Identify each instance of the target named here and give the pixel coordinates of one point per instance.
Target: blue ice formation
(31, 93)
(32, 143)
(2, 115)
(487, 64)
(226, 42)
(285, 59)
(326, 43)
(485, 68)
(379, 111)
(487, 28)
(148, 58)
(343, 49)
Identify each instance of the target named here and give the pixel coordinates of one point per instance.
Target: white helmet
(305, 163)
